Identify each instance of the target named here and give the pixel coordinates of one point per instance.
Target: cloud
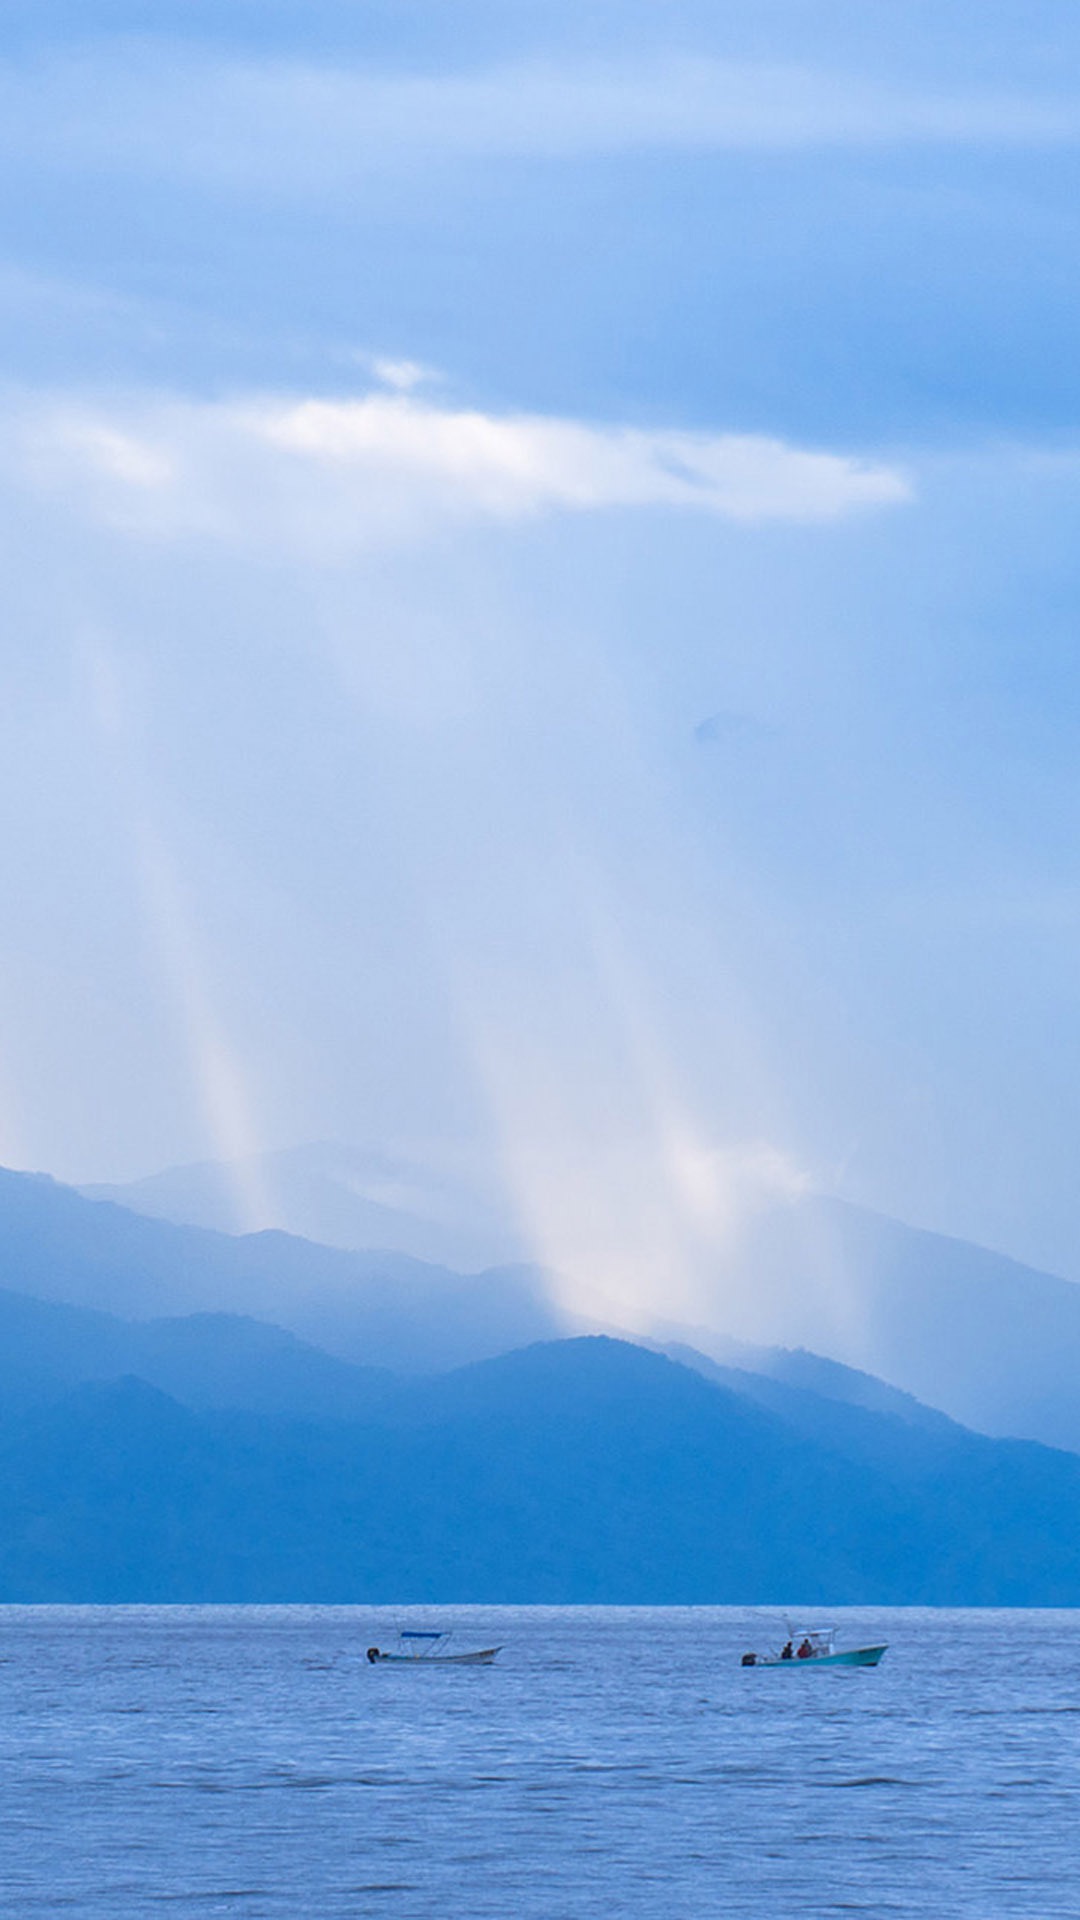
(402, 375)
(296, 126)
(331, 476)
(116, 455)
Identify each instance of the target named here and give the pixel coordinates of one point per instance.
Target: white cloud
(114, 454)
(402, 375)
(294, 126)
(330, 476)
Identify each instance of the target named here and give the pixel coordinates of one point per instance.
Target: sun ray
(225, 1102)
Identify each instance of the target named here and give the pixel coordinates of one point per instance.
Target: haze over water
(248, 1762)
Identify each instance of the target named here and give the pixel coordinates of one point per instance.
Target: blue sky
(541, 591)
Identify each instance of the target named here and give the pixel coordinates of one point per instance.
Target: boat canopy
(422, 1642)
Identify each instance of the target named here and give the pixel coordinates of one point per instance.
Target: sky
(541, 595)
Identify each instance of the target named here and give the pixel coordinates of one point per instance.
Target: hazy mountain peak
(349, 1197)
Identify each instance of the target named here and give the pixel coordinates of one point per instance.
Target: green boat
(816, 1648)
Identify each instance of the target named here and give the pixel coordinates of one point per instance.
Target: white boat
(425, 1646)
(816, 1647)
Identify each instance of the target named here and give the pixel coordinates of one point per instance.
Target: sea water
(196, 1761)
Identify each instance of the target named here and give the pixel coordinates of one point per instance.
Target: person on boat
(806, 1651)
(786, 1651)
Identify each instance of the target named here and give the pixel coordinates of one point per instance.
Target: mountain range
(581, 1470)
(991, 1342)
(994, 1343)
(174, 1426)
(382, 1308)
(349, 1197)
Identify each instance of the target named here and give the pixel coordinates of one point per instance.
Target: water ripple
(614, 1763)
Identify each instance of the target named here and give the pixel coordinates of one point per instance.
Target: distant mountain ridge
(381, 1309)
(208, 1361)
(993, 1344)
(584, 1470)
(345, 1197)
(233, 1362)
(771, 1374)
(213, 1456)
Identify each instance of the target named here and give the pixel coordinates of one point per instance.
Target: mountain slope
(339, 1196)
(586, 1470)
(376, 1308)
(230, 1361)
(994, 1344)
(206, 1360)
(773, 1371)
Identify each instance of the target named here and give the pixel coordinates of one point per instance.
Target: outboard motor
(373, 1654)
(749, 1660)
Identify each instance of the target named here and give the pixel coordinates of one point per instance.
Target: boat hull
(482, 1658)
(851, 1657)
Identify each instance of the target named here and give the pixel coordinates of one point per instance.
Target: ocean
(613, 1763)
